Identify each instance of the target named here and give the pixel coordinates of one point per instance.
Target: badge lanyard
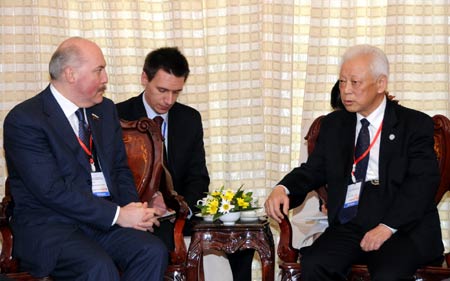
(88, 151)
(362, 156)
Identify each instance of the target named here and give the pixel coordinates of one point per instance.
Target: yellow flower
(224, 201)
(212, 206)
(213, 210)
(228, 195)
(214, 202)
(241, 203)
(215, 193)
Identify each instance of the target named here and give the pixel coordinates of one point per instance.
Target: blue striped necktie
(84, 132)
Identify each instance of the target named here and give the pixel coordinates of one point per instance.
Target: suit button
(89, 182)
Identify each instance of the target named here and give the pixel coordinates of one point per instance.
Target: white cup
(248, 214)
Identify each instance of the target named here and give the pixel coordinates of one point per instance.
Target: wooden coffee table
(229, 239)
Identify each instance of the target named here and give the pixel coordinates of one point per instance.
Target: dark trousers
(97, 255)
(332, 254)
(240, 262)
(330, 257)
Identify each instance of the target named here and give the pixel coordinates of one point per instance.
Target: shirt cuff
(189, 216)
(390, 228)
(285, 189)
(116, 216)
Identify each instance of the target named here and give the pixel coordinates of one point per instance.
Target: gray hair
(65, 55)
(379, 64)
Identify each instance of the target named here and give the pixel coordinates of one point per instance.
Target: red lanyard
(361, 157)
(88, 151)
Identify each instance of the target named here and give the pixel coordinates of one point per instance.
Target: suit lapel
(347, 153)
(96, 119)
(347, 143)
(99, 122)
(389, 139)
(138, 107)
(95, 124)
(171, 139)
(61, 126)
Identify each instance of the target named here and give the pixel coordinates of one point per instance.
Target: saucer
(249, 218)
(208, 218)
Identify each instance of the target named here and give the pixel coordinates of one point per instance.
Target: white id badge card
(99, 187)
(352, 197)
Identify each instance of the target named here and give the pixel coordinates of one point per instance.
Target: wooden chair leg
(201, 270)
(290, 271)
(175, 273)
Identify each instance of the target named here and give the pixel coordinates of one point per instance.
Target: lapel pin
(94, 116)
(391, 136)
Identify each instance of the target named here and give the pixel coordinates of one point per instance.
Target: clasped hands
(371, 241)
(141, 216)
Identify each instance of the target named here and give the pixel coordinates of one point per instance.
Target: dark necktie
(159, 120)
(362, 145)
(84, 132)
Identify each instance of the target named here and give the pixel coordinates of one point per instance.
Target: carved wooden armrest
(176, 202)
(7, 263)
(179, 254)
(286, 252)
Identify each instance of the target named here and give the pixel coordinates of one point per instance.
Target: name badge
(352, 197)
(99, 187)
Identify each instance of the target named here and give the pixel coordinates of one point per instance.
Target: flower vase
(249, 216)
(230, 218)
(208, 218)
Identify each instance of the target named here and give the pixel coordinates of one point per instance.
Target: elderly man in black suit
(378, 161)
(164, 74)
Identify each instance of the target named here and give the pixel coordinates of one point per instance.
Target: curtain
(261, 70)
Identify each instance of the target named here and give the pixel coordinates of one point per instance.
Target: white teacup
(248, 214)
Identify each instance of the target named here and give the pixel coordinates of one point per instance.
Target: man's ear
(382, 84)
(69, 74)
(144, 79)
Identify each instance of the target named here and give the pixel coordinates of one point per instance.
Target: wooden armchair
(290, 266)
(144, 146)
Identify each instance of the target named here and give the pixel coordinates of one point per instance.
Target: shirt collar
(376, 117)
(150, 112)
(66, 105)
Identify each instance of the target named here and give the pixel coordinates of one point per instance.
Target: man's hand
(277, 198)
(157, 202)
(130, 215)
(138, 216)
(375, 237)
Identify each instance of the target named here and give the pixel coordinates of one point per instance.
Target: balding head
(77, 71)
(68, 53)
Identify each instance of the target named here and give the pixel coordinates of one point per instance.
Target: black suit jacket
(408, 174)
(50, 180)
(186, 152)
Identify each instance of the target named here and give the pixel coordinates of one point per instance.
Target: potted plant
(226, 204)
